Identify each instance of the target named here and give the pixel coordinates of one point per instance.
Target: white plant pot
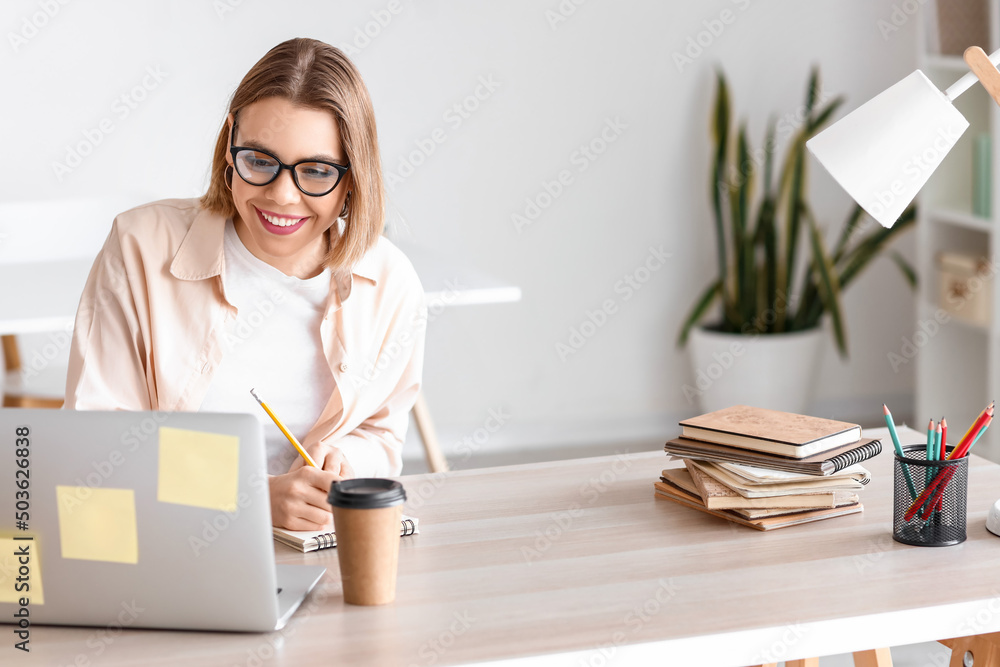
(775, 371)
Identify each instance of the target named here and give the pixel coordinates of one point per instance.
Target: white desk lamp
(884, 151)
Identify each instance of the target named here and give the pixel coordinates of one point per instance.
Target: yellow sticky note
(198, 469)
(97, 524)
(20, 571)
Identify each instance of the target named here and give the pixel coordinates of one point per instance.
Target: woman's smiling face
(277, 222)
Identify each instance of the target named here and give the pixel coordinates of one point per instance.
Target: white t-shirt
(274, 347)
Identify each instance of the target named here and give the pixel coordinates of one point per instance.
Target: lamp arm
(963, 84)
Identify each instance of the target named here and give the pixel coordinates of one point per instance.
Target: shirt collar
(200, 255)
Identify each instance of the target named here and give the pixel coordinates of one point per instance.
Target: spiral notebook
(825, 463)
(311, 540)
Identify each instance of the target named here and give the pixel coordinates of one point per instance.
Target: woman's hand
(327, 457)
(299, 498)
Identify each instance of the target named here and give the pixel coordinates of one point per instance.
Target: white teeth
(279, 222)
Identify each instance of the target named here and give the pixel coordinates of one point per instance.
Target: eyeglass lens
(260, 169)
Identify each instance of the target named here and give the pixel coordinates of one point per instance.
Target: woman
(277, 279)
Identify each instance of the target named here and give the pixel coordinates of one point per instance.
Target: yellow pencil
(291, 438)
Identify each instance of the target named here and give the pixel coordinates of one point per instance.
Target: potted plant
(778, 278)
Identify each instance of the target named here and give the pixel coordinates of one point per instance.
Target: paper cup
(366, 518)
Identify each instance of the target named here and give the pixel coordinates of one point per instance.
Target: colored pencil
(944, 439)
(899, 450)
(970, 434)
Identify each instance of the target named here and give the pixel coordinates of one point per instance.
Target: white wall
(557, 85)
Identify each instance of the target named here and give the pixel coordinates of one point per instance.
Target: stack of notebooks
(767, 469)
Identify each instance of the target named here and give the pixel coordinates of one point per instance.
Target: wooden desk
(578, 558)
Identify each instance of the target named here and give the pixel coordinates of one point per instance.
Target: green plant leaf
(766, 236)
(823, 116)
(793, 222)
(720, 135)
(873, 244)
(740, 192)
(812, 89)
(828, 284)
(908, 272)
(769, 148)
(700, 307)
(853, 221)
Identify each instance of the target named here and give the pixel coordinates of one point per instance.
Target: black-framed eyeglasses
(258, 167)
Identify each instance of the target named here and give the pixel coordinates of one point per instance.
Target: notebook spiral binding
(858, 455)
(327, 540)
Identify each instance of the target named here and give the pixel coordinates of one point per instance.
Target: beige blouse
(149, 328)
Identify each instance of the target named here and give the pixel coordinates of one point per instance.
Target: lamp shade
(884, 151)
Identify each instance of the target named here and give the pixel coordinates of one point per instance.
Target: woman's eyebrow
(322, 157)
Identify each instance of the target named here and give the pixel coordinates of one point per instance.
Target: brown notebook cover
(825, 463)
(771, 431)
(678, 495)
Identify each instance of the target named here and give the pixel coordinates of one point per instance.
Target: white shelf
(961, 219)
(957, 362)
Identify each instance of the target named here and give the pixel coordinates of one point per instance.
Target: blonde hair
(313, 74)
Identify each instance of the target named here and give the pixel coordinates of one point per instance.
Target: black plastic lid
(366, 493)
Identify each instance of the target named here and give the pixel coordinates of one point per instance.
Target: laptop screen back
(135, 519)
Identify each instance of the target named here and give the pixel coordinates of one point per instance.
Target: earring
(228, 178)
(344, 211)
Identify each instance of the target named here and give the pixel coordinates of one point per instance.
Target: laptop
(140, 519)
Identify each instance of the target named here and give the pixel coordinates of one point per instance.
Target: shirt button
(343, 368)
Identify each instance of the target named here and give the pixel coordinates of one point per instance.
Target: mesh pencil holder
(937, 517)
